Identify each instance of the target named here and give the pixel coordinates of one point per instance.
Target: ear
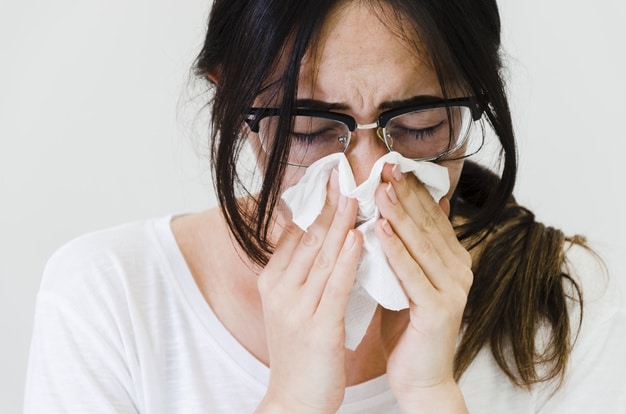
(213, 77)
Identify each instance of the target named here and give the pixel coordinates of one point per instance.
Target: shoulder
(103, 261)
(597, 361)
(93, 315)
(596, 302)
(601, 292)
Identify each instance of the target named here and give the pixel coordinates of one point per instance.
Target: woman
(238, 309)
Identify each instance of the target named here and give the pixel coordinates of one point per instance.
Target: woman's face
(361, 68)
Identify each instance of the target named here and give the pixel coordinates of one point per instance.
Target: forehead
(366, 55)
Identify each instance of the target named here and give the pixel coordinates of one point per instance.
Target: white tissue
(375, 281)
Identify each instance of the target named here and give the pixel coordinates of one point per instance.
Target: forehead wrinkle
(344, 64)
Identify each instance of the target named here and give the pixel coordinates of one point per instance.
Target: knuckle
(427, 248)
(436, 212)
(467, 279)
(466, 258)
(292, 229)
(426, 223)
(310, 239)
(322, 262)
(456, 299)
(464, 278)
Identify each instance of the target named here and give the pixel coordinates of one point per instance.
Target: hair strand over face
(257, 47)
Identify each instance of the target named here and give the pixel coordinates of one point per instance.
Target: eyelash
(424, 132)
(302, 137)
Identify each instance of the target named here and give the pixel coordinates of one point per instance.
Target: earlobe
(213, 77)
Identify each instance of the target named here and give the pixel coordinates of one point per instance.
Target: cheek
(257, 150)
(292, 176)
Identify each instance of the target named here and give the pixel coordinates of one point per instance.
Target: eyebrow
(318, 105)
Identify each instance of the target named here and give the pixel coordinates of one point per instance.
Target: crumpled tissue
(375, 281)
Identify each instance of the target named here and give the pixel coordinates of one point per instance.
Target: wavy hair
(519, 283)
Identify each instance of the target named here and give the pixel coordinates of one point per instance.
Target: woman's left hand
(435, 272)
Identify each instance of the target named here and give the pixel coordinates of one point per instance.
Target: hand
(304, 290)
(435, 272)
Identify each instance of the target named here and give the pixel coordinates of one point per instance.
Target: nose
(364, 149)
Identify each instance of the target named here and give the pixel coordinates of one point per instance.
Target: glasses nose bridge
(379, 131)
(371, 125)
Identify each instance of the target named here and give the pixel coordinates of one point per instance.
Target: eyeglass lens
(425, 134)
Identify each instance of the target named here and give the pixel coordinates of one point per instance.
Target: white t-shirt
(121, 327)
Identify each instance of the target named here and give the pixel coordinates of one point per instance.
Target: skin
(290, 314)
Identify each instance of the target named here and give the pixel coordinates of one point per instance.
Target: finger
(328, 254)
(419, 205)
(417, 286)
(412, 193)
(286, 245)
(334, 300)
(305, 253)
(424, 243)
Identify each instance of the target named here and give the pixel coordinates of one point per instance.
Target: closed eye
(419, 133)
(308, 136)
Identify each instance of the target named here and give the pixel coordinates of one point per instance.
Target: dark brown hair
(518, 281)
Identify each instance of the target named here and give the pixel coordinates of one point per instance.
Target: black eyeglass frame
(256, 114)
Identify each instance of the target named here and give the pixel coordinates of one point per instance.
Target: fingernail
(349, 240)
(343, 202)
(334, 179)
(396, 173)
(391, 194)
(387, 227)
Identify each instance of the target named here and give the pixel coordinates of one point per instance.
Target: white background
(96, 129)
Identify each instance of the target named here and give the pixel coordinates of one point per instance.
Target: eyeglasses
(423, 132)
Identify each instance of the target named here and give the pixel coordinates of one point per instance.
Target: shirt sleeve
(77, 361)
(595, 378)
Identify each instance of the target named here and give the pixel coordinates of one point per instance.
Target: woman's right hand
(304, 290)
